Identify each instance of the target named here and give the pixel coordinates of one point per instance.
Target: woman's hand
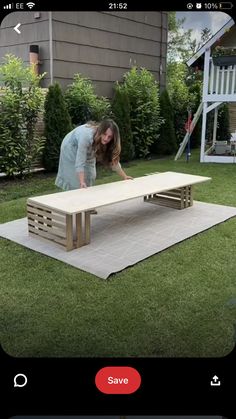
(121, 173)
(83, 185)
(81, 179)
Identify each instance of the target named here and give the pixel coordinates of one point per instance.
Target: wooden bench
(51, 216)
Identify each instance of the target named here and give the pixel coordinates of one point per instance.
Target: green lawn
(177, 303)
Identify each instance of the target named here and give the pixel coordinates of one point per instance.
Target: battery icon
(225, 5)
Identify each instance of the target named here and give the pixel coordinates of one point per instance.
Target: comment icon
(20, 380)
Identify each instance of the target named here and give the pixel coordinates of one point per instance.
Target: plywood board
(71, 202)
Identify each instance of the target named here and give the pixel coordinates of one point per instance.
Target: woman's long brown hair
(110, 153)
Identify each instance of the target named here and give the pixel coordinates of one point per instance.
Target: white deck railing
(221, 83)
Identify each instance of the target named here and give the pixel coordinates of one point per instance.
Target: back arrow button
(16, 28)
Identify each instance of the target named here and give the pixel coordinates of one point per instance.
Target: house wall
(104, 45)
(229, 38)
(33, 31)
(232, 117)
(100, 45)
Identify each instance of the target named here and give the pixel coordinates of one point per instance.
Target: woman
(80, 150)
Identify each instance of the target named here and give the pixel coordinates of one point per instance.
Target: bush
(143, 94)
(166, 144)
(57, 124)
(195, 91)
(100, 109)
(83, 104)
(179, 96)
(184, 87)
(223, 130)
(121, 115)
(21, 101)
(196, 135)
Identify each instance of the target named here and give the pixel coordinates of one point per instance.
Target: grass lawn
(178, 303)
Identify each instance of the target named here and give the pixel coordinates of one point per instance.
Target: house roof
(210, 42)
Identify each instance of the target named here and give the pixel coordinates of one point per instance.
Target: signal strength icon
(30, 5)
(8, 6)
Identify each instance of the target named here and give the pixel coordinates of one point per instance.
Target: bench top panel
(79, 200)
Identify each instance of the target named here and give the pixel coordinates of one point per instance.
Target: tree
(166, 144)
(121, 115)
(179, 96)
(223, 128)
(195, 93)
(20, 104)
(184, 83)
(206, 34)
(57, 124)
(82, 102)
(181, 44)
(179, 40)
(143, 93)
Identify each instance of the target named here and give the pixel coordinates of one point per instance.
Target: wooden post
(228, 71)
(233, 87)
(204, 98)
(217, 89)
(206, 75)
(190, 195)
(222, 80)
(215, 125)
(79, 231)
(203, 139)
(69, 232)
(87, 225)
(182, 196)
(212, 76)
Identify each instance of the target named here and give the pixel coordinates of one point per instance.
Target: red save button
(118, 380)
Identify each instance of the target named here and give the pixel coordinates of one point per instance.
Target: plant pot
(224, 60)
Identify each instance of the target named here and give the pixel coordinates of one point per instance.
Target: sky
(200, 20)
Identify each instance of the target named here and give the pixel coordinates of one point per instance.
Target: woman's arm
(80, 176)
(118, 169)
(84, 142)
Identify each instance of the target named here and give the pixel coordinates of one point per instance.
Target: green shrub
(21, 100)
(166, 144)
(196, 135)
(101, 109)
(179, 96)
(223, 130)
(185, 89)
(143, 94)
(79, 97)
(195, 92)
(121, 114)
(57, 124)
(82, 102)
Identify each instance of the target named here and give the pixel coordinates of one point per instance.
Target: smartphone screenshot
(117, 210)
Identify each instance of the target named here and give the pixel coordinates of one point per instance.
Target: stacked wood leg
(58, 227)
(87, 227)
(175, 198)
(83, 229)
(51, 225)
